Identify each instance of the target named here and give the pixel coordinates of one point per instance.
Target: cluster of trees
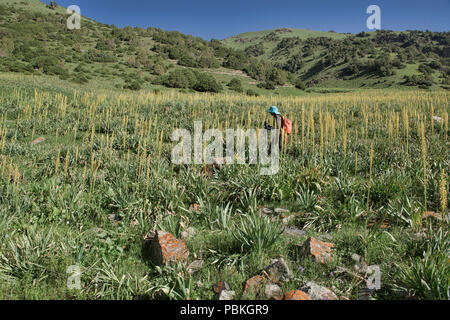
(360, 54)
(189, 79)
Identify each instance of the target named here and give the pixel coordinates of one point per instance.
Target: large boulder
(278, 271)
(296, 295)
(162, 248)
(317, 292)
(254, 285)
(321, 251)
(273, 292)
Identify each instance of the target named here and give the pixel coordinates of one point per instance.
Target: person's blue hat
(273, 110)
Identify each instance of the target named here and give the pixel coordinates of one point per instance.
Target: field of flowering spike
(86, 174)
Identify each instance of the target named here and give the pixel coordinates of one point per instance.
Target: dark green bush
(235, 85)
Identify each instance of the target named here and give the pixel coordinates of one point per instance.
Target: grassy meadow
(365, 170)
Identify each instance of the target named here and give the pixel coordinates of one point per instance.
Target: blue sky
(220, 19)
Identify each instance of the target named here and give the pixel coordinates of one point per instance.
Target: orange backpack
(286, 125)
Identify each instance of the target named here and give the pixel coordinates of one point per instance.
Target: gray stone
(278, 271)
(293, 231)
(281, 210)
(195, 266)
(225, 295)
(288, 219)
(273, 291)
(188, 233)
(326, 236)
(317, 292)
(266, 211)
(356, 257)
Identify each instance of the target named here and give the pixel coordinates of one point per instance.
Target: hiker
(281, 123)
(277, 122)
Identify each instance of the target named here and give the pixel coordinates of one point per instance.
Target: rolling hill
(376, 59)
(34, 40)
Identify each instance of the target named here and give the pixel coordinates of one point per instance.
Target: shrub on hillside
(252, 93)
(187, 61)
(235, 85)
(268, 85)
(299, 84)
(207, 83)
(182, 79)
(208, 62)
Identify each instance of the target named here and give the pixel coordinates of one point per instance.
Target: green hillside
(35, 40)
(272, 37)
(376, 60)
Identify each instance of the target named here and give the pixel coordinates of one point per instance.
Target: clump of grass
(257, 233)
(428, 276)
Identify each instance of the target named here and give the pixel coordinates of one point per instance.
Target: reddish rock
(209, 169)
(296, 295)
(435, 215)
(219, 286)
(194, 207)
(321, 251)
(162, 248)
(254, 284)
(38, 140)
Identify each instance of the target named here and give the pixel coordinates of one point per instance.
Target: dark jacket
(277, 124)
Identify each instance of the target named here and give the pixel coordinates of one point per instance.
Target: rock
(288, 219)
(326, 236)
(356, 257)
(317, 292)
(321, 251)
(281, 210)
(220, 286)
(194, 207)
(266, 211)
(209, 169)
(278, 271)
(293, 231)
(254, 284)
(218, 162)
(360, 266)
(365, 293)
(38, 140)
(420, 235)
(161, 248)
(199, 284)
(435, 215)
(195, 266)
(438, 119)
(225, 295)
(188, 233)
(296, 295)
(273, 292)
